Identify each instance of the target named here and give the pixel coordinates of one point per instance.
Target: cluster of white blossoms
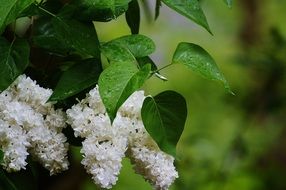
(30, 125)
(106, 144)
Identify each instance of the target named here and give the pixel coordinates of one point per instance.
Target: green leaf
(98, 10)
(45, 37)
(77, 78)
(126, 48)
(164, 118)
(157, 8)
(139, 45)
(228, 2)
(78, 36)
(200, 61)
(132, 16)
(118, 82)
(190, 9)
(52, 43)
(116, 53)
(10, 10)
(61, 36)
(14, 58)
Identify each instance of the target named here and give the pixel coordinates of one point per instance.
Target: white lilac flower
(95, 102)
(88, 115)
(49, 148)
(13, 142)
(85, 121)
(132, 106)
(149, 161)
(155, 166)
(56, 120)
(15, 112)
(23, 105)
(30, 92)
(103, 156)
(106, 144)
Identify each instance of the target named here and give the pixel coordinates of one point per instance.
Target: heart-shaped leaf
(164, 118)
(118, 82)
(200, 61)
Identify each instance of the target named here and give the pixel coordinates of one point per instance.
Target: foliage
(14, 60)
(64, 33)
(165, 126)
(198, 60)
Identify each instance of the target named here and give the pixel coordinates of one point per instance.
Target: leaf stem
(45, 10)
(164, 67)
(157, 74)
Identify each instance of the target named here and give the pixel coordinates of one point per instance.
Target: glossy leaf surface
(164, 118)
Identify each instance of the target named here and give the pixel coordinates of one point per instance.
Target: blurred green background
(230, 142)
